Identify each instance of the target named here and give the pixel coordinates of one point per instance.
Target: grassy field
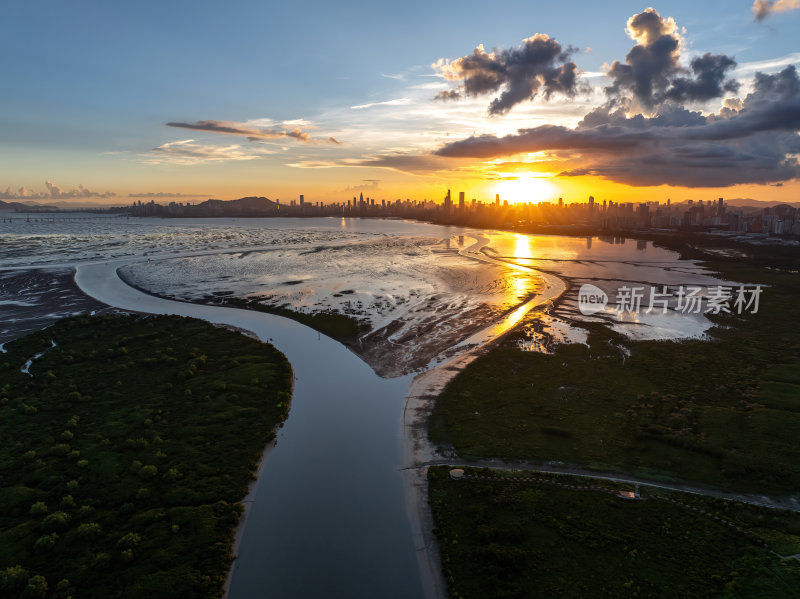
(124, 456)
(724, 412)
(505, 539)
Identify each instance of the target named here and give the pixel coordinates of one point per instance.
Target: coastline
(418, 451)
(247, 501)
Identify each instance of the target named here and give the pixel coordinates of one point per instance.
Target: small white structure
(630, 494)
(457, 473)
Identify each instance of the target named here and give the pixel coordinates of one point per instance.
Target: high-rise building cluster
(605, 216)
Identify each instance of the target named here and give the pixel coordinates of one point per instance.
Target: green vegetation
(504, 539)
(723, 412)
(340, 327)
(125, 456)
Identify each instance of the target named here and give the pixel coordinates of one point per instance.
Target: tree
(37, 587)
(57, 520)
(90, 530)
(46, 542)
(13, 577)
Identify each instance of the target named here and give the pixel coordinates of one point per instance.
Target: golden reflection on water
(522, 283)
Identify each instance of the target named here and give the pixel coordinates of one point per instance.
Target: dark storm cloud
(539, 66)
(709, 80)
(651, 63)
(752, 141)
(652, 72)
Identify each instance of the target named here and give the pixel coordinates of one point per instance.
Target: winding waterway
(328, 518)
(329, 513)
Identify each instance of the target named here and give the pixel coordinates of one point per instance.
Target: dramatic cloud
(652, 72)
(251, 132)
(539, 65)
(754, 140)
(764, 8)
(709, 80)
(415, 164)
(188, 152)
(54, 192)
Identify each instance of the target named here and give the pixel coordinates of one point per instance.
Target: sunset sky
(112, 102)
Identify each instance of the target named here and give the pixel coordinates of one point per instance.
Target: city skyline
(628, 103)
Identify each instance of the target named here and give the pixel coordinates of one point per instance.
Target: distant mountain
(751, 203)
(67, 205)
(24, 207)
(249, 206)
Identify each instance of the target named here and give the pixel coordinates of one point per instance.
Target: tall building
(460, 200)
(497, 199)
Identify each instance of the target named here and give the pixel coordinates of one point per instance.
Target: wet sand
(31, 300)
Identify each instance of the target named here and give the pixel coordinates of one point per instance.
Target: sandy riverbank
(419, 451)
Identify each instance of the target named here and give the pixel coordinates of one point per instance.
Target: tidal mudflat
(430, 297)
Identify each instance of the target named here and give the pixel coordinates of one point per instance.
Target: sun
(526, 188)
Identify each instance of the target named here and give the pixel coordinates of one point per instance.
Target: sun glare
(526, 188)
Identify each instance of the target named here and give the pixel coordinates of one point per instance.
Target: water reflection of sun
(522, 282)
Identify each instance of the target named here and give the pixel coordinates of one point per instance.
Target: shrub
(57, 520)
(129, 541)
(64, 589)
(13, 577)
(37, 587)
(148, 471)
(101, 560)
(90, 530)
(39, 508)
(61, 449)
(46, 542)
